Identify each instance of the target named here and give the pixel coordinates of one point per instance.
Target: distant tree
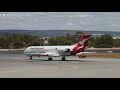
(4, 41)
(97, 42)
(79, 32)
(91, 42)
(52, 41)
(19, 40)
(18, 44)
(117, 42)
(105, 41)
(68, 35)
(73, 39)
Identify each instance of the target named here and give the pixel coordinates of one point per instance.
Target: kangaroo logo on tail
(80, 47)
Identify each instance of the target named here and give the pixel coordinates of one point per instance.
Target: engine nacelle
(64, 50)
(67, 50)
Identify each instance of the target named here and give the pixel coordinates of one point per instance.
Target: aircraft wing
(43, 54)
(49, 54)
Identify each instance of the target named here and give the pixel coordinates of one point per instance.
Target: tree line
(19, 40)
(104, 41)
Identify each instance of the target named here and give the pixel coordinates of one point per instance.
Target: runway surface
(19, 66)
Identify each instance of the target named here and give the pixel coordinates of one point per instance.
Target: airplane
(57, 51)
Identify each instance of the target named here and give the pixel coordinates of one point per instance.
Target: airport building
(116, 37)
(97, 35)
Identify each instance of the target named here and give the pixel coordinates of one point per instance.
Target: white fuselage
(54, 51)
(49, 50)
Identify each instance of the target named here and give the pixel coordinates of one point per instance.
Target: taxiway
(19, 66)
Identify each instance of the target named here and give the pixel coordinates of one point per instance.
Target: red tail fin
(84, 40)
(82, 44)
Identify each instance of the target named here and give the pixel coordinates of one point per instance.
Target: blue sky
(103, 21)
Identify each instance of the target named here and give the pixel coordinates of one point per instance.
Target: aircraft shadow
(39, 60)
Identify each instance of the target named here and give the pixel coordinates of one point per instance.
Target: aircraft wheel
(30, 57)
(63, 59)
(38, 56)
(49, 58)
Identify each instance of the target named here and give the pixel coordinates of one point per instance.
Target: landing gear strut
(63, 58)
(49, 58)
(30, 57)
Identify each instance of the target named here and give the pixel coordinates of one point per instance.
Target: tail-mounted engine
(67, 50)
(64, 50)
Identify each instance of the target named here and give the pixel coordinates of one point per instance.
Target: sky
(88, 21)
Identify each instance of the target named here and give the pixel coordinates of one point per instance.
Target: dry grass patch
(104, 55)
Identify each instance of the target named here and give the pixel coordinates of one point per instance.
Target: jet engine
(64, 50)
(67, 50)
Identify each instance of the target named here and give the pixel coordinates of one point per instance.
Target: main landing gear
(50, 58)
(30, 57)
(63, 58)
